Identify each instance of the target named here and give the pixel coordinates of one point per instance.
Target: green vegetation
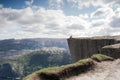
(56, 73)
(101, 57)
(39, 59)
(57, 68)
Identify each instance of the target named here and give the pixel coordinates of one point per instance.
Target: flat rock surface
(106, 70)
(116, 46)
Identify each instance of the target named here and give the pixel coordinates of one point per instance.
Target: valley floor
(106, 70)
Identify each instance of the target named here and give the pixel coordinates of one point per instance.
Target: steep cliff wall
(85, 47)
(112, 50)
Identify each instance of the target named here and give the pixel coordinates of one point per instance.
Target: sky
(58, 18)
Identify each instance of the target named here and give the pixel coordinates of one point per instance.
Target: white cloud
(29, 3)
(102, 13)
(76, 26)
(115, 19)
(105, 21)
(56, 4)
(115, 22)
(97, 3)
(117, 12)
(41, 22)
(98, 23)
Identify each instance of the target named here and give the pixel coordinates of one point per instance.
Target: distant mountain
(31, 44)
(13, 47)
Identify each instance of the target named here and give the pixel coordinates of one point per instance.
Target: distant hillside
(38, 59)
(31, 44)
(13, 47)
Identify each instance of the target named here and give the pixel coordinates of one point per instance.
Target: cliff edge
(66, 71)
(107, 70)
(81, 48)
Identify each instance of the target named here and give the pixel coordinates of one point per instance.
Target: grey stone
(81, 48)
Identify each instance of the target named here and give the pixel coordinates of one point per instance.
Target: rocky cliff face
(85, 47)
(112, 50)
